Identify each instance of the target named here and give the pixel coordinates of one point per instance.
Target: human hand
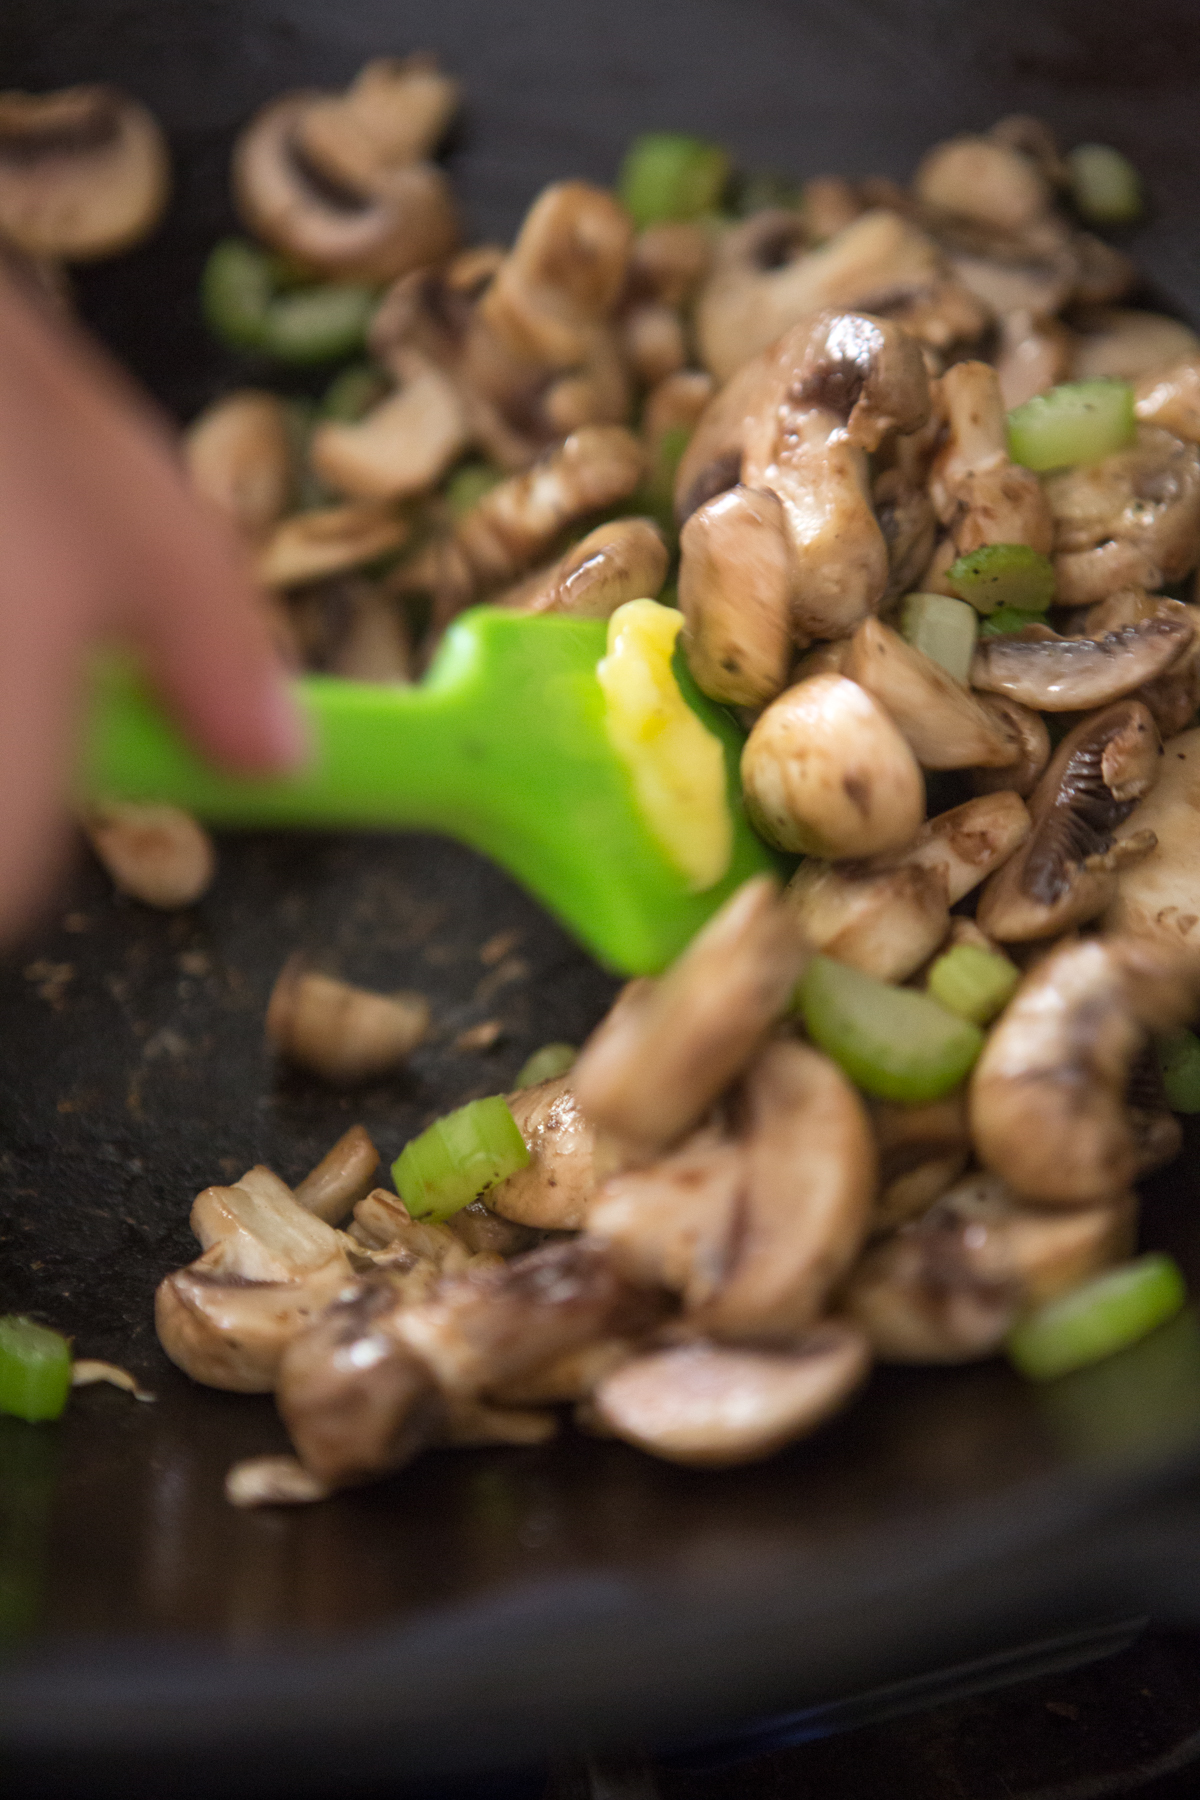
(101, 540)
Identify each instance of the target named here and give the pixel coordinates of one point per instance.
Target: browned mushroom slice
(83, 172)
(980, 495)
(1131, 520)
(675, 404)
(625, 559)
(402, 446)
(1123, 343)
(340, 1032)
(908, 522)
(394, 112)
(980, 179)
(1170, 398)
(1066, 872)
(553, 1189)
(329, 540)
(158, 854)
(1028, 730)
(1159, 895)
(654, 1066)
(568, 1378)
(1034, 355)
(344, 1175)
(481, 1230)
(922, 1151)
(1048, 1094)
(826, 773)
(736, 580)
(1075, 674)
(949, 1286)
(401, 1244)
(945, 725)
(350, 625)
(716, 1405)
(239, 456)
(753, 1229)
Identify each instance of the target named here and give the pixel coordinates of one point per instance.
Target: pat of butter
(677, 765)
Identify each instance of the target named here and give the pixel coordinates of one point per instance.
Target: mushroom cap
(943, 723)
(158, 854)
(736, 578)
(1053, 674)
(1160, 896)
(553, 1189)
(1131, 520)
(83, 172)
(230, 1332)
(1124, 343)
(344, 1034)
(239, 456)
(404, 220)
(329, 540)
(401, 447)
(980, 179)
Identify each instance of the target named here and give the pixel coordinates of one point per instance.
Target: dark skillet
(487, 1608)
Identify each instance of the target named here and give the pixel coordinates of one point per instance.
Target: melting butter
(677, 765)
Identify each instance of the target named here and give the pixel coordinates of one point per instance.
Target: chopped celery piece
(943, 629)
(458, 1158)
(468, 484)
(668, 175)
(1105, 186)
(1003, 575)
(249, 301)
(1179, 1060)
(235, 292)
(891, 1041)
(545, 1064)
(352, 392)
(1007, 619)
(1079, 422)
(35, 1370)
(972, 982)
(1104, 1315)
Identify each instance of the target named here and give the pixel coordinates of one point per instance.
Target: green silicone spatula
(504, 746)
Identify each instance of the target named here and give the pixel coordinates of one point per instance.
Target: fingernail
(286, 733)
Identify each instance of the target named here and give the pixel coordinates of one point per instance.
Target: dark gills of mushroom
(1074, 674)
(83, 172)
(1048, 1096)
(949, 1286)
(1066, 871)
(755, 1226)
(366, 1387)
(716, 1405)
(1132, 520)
(669, 1047)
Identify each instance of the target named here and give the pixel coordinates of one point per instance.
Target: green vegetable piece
(943, 629)
(1105, 186)
(1079, 422)
(973, 983)
(351, 393)
(468, 484)
(1104, 1315)
(1010, 575)
(545, 1064)
(458, 1158)
(235, 292)
(893, 1042)
(250, 300)
(1007, 619)
(35, 1370)
(668, 175)
(1179, 1060)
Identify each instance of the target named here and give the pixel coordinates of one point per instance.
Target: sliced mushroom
(1170, 398)
(889, 920)
(765, 279)
(272, 1481)
(402, 446)
(328, 540)
(983, 180)
(826, 772)
(669, 260)
(715, 1405)
(343, 1176)
(157, 854)
(654, 1066)
(623, 560)
(382, 1223)
(754, 1227)
(1159, 895)
(350, 625)
(1131, 520)
(373, 225)
(553, 1189)
(923, 1150)
(945, 726)
(568, 1378)
(1029, 732)
(1124, 344)
(394, 112)
(1066, 872)
(239, 456)
(653, 341)
(482, 1230)
(1054, 674)
(980, 495)
(905, 515)
(342, 1033)
(83, 172)
(736, 580)
(1034, 355)
(675, 404)
(949, 1286)
(1048, 1094)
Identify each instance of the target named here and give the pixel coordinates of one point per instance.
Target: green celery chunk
(545, 1064)
(35, 1370)
(1090, 1322)
(235, 292)
(893, 1042)
(351, 393)
(468, 484)
(1179, 1060)
(973, 983)
(250, 300)
(943, 629)
(669, 175)
(1105, 186)
(1003, 575)
(318, 324)
(1007, 619)
(1078, 422)
(458, 1158)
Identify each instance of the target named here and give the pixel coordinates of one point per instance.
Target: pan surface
(493, 1606)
